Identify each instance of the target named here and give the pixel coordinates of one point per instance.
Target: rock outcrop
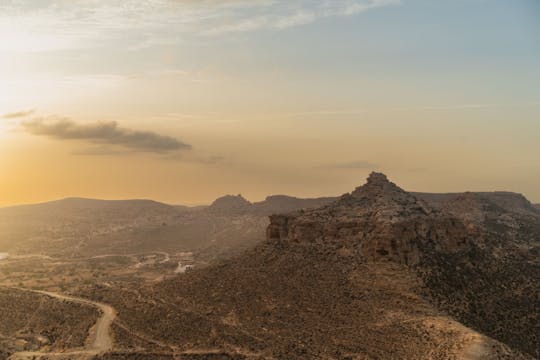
(476, 253)
(230, 204)
(377, 221)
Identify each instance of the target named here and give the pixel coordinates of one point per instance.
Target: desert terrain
(269, 180)
(378, 273)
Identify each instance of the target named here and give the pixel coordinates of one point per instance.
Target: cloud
(18, 114)
(281, 15)
(352, 165)
(50, 25)
(100, 151)
(105, 133)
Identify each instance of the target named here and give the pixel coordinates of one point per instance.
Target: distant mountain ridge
(83, 227)
(232, 203)
(73, 204)
(272, 204)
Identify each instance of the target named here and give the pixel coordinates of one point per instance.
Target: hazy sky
(183, 100)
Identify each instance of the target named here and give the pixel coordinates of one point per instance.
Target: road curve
(476, 349)
(99, 340)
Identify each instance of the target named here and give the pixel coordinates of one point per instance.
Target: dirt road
(476, 349)
(99, 339)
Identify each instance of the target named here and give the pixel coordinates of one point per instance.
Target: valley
(207, 180)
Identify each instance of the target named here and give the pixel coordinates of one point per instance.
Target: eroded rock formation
(476, 253)
(378, 221)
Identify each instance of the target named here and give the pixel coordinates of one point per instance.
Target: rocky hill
(230, 204)
(377, 221)
(372, 275)
(477, 253)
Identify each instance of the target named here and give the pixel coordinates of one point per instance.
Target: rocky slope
(297, 301)
(494, 285)
(477, 253)
(372, 275)
(30, 321)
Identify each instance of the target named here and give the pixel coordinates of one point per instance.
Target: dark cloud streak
(105, 133)
(18, 114)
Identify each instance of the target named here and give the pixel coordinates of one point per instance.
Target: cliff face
(377, 221)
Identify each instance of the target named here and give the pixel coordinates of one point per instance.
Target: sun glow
(3, 130)
(13, 41)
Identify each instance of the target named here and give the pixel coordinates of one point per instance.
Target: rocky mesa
(476, 253)
(377, 221)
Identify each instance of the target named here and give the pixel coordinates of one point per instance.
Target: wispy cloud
(453, 107)
(52, 24)
(278, 16)
(101, 151)
(471, 106)
(105, 133)
(426, 108)
(18, 114)
(318, 113)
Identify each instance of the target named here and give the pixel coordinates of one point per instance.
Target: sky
(183, 101)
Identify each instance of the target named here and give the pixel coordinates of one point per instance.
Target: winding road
(99, 340)
(476, 349)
